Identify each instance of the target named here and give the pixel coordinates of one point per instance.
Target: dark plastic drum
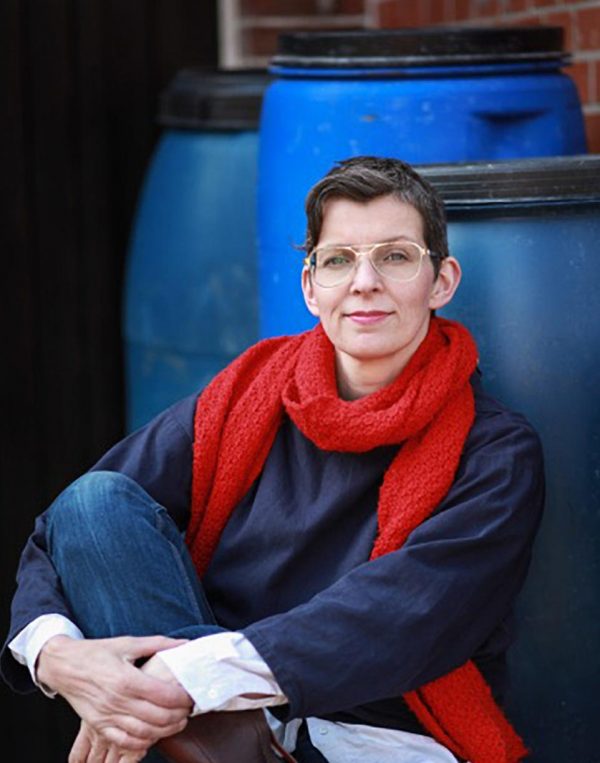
(425, 96)
(191, 284)
(527, 236)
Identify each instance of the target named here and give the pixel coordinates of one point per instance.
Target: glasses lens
(333, 265)
(399, 261)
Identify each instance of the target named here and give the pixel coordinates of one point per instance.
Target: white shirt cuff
(27, 644)
(220, 671)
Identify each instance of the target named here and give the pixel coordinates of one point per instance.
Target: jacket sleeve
(159, 458)
(395, 623)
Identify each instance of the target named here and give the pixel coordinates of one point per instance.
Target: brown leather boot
(242, 736)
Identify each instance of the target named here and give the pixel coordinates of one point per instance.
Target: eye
(396, 255)
(335, 260)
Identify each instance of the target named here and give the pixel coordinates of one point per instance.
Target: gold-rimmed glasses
(333, 264)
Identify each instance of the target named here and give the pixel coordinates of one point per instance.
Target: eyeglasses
(334, 264)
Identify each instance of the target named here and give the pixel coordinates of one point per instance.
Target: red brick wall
(262, 20)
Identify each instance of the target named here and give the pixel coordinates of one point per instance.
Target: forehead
(382, 219)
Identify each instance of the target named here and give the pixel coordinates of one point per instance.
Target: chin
(370, 352)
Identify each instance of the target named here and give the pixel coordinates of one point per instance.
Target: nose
(365, 277)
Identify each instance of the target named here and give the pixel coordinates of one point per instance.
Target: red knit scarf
(429, 408)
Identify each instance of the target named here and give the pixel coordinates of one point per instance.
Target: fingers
(146, 646)
(81, 746)
(150, 699)
(123, 706)
(128, 758)
(156, 667)
(125, 742)
(127, 730)
(134, 724)
(134, 683)
(91, 747)
(131, 733)
(115, 755)
(99, 752)
(99, 674)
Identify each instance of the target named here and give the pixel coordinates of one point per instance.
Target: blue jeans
(123, 564)
(125, 569)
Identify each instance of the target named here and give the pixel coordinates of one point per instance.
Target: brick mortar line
(583, 56)
(509, 17)
(581, 5)
(592, 84)
(526, 14)
(571, 6)
(287, 22)
(513, 16)
(591, 110)
(373, 5)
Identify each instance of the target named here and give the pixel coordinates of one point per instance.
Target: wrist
(158, 668)
(49, 656)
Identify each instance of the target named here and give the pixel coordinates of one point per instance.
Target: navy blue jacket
(344, 636)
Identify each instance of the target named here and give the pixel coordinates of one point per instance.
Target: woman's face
(371, 320)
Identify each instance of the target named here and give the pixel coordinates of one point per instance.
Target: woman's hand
(118, 702)
(89, 747)
(157, 668)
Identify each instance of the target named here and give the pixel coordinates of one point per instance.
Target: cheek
(410, 301)
(421, 297)
(330, 304)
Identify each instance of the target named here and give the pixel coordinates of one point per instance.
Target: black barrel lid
(213, 99)
(556, 179)
(429, 46)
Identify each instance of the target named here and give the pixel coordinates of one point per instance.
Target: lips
(366, 317)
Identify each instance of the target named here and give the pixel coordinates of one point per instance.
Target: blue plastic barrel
(191, 282)
(425, 96)
(526, 234)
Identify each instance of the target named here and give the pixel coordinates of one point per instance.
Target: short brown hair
(364, 178)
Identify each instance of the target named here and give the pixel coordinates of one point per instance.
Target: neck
(358, 378)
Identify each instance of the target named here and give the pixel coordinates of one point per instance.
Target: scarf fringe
(483, 735)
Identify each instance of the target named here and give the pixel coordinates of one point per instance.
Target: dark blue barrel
(526, 234)
(191, 283)
(424, 96)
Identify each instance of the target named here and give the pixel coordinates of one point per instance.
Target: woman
(359, 511)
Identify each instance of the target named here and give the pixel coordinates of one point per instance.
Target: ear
(308, 291)
(445, 284)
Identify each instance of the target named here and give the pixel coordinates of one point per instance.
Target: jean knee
(94, 503)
